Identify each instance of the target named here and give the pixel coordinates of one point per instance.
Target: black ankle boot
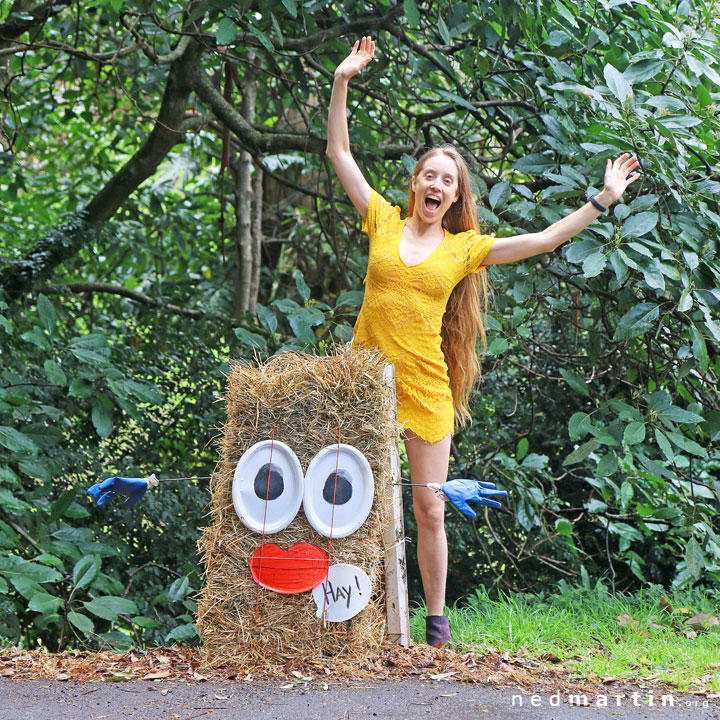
(437, 630)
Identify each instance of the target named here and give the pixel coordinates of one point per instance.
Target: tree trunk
(242, 168)
(257, 237)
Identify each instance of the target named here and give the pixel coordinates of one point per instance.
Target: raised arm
(338, 146)
(519, 247)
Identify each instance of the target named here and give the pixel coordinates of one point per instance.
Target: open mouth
(432, 203)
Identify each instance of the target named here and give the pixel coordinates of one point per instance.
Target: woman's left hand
(617, 176)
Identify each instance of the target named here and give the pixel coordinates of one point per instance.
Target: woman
(422, 304)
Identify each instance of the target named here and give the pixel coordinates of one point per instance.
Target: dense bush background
(132, 268)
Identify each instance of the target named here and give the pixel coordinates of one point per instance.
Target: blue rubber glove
(134, 488)
(460, 492)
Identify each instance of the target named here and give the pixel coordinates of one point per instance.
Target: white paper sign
(343, 593)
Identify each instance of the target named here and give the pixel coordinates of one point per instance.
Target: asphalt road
(136, 700)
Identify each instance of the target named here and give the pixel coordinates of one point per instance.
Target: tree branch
(63, 242)
(134, 295)
(14, 27)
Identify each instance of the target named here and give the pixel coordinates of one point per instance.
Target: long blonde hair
(462, 323)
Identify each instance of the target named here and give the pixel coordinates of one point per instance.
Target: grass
(584, 632)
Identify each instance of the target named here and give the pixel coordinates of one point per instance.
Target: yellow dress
(403, 310)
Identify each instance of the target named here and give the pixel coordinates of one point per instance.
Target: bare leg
(429, 463)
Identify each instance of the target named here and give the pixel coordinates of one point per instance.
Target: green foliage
(598, 412)
(595, 635)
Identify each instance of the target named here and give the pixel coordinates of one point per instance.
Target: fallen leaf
(549, 657)
(62, 676)
(7, 672)
(199, 678)
(690, 634)
(157, 675)
(665, 605)
(287, 687)
(625, 619)
(447, 694)
(442, 676)
(119, 676)
(609, 679)
(165, 691)
(702, 621)
(714, 666)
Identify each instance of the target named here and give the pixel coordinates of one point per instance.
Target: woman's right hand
(361, 54)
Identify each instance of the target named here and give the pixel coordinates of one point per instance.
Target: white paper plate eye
(339, 491)
(267, 488)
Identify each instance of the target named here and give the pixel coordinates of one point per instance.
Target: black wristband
(597, 205)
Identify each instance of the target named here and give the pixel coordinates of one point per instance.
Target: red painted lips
(297, 570)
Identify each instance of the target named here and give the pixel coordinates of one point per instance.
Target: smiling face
(435, 185)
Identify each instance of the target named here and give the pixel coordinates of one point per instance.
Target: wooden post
(396, 592)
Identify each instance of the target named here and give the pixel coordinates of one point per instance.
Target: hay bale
(307, 400)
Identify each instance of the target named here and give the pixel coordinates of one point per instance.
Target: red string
(332, 520)
(267, 498)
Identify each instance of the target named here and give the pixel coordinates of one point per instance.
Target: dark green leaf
(55, 373)
(291, 7)
(182, 632)
(411, 13)
(179, 589)
(581, 453)
(676, 414)
(251, 339)
(16, 441)
(694, 557)
(640, 224)
(301, 285)
(302, 329)
(594, 264)
(575, 381)
(634, 433)
(619, 85)
(636, 321)
(699, 348)
(102, 418)
(579, 426)
(46, 311)
(110, 606)
(499, 194)
(85, 571)
(226, 32)
(522, 449)
(42, 602)
(62, 503)
(267, 318)
(81, 622)
(352, 298)
(563, 527)
(262, 37)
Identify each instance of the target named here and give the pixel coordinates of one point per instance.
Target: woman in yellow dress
(422, 306)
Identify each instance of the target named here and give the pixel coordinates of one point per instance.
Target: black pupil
(276, 483)
(342, 493)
